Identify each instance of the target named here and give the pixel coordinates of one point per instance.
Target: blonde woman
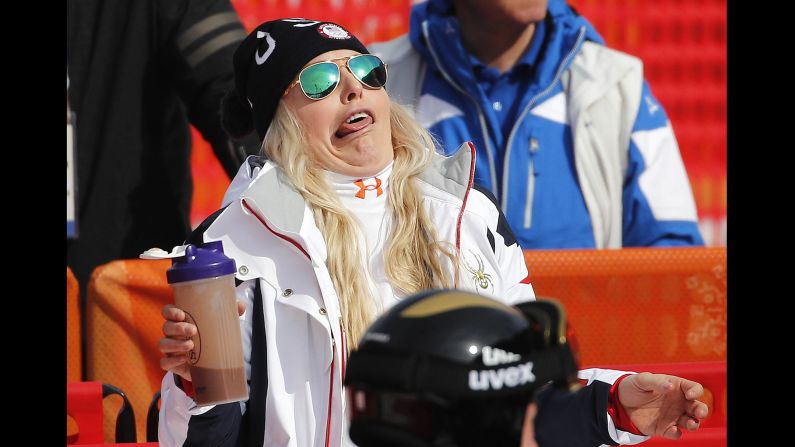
(350, 210)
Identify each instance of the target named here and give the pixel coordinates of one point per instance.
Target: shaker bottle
(204, 288)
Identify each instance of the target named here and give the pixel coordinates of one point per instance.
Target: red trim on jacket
(297, 245)
(617, 411)
(464, 204)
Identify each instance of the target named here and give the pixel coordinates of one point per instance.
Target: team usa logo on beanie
(333, 31)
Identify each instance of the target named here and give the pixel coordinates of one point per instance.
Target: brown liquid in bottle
(218, 385)
(217, 368)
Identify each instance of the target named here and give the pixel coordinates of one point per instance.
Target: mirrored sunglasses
(321, 79)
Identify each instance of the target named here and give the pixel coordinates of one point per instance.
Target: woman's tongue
(349, 128)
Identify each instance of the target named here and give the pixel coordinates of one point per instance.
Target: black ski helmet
(451, 368)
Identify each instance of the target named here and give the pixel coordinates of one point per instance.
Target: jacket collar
(272, 197)
(450, 175)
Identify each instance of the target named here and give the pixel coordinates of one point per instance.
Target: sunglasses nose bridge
(352, 85)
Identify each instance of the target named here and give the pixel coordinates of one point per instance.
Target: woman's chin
(360, 169)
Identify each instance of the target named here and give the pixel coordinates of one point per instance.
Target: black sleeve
(198, 39)
(218, 427)
(576, 419)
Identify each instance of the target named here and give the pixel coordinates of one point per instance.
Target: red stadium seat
(73, 349)
(84, 404)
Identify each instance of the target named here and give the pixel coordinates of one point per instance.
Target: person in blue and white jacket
(352, 211)
(569, 136)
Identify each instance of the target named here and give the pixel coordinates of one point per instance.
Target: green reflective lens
(319, 80)
(369, 70)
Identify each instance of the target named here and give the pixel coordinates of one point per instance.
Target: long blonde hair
(413, 256)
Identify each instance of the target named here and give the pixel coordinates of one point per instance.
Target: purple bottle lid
(201, 262)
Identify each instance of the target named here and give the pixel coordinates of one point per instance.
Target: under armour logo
(271, 46)
(363, 188)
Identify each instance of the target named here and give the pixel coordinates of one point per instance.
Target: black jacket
(140, 71)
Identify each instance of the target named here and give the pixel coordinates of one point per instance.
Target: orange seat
(639, 305)
(73, 353)
(123, 327)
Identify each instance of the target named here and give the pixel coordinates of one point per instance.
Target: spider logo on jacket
(479, 276)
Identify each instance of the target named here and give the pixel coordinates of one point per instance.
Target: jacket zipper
(531, 182)
(505, 171)
(483, 128)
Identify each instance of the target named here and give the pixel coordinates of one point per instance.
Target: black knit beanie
(268, 60)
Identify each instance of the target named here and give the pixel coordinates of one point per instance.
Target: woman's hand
(662, 405)
(177, 342)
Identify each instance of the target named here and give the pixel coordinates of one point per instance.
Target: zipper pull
(531, 180)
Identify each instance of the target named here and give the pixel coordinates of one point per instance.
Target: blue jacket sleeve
(659, 209)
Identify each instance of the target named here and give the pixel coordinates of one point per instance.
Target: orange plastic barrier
(123, 326)
(639, 305)
(73, 354)
(633, 305)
